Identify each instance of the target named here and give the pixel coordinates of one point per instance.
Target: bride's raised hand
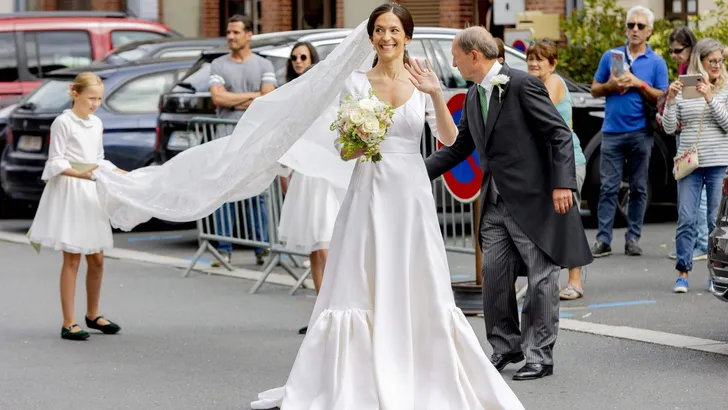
(423, 78)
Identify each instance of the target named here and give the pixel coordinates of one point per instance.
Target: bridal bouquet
(363, 123)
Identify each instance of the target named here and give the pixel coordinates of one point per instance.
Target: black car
(718, 248)
(161, 48)
(190, 97)
(128, 112)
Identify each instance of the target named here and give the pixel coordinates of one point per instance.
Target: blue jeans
(701, 242)
(635, 148)
(689, 192)
(256, 223)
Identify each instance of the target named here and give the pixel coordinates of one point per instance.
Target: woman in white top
(69, 217)
(705, 126)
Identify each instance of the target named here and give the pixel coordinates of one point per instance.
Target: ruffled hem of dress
(347, 325)
(307, 248)
(67, 247)
(347, 338)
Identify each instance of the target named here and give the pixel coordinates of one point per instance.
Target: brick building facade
(281, 15)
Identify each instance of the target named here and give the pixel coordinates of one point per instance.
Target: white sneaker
(226, 256)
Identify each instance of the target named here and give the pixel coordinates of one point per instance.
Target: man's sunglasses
(303, 57)
(639, 26)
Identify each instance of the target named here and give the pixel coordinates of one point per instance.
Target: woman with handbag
(681, 42)
(702, 153)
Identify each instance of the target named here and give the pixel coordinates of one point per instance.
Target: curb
(179, 263)
(645, 335)
(619, 332)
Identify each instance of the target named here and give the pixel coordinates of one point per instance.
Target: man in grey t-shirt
(236, 79)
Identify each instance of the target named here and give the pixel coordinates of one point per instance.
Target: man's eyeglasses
(639, 26)
(303, 57)
(676, 50)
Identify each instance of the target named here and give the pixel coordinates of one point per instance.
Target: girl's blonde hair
(702, 50)
(84, 81)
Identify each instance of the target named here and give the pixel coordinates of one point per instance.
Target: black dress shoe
(67, 334)
(533, 371)
(110, 328)
(500, 361)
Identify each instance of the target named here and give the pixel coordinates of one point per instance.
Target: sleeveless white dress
(385, 332)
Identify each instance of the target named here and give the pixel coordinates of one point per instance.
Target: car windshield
(52, 96)
(126, 56)
(198, 78)
(281, 65)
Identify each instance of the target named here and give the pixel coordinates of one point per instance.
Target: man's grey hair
(643, 11)
(479, 39)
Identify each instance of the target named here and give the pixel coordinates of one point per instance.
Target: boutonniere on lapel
(500, 81)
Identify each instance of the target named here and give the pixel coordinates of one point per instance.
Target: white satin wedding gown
(385, 332)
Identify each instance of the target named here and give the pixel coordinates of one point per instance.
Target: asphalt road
(203, 342)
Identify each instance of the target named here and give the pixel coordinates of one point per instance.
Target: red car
(36, 43)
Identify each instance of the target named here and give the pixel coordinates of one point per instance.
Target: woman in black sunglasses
(681, 42)
(303, 56)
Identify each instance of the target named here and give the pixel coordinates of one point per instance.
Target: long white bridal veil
(197, 181)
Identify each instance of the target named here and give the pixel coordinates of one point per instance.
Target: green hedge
(600, 26)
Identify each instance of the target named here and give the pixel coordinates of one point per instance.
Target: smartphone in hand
(617, 63)
(690, 82)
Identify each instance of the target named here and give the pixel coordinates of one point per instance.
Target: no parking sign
(518, 38)
(463, 181)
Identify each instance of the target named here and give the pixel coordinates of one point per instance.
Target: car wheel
(623, 199)
(8, 208)
(591, 188)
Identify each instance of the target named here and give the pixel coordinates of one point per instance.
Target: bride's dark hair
(404, 17)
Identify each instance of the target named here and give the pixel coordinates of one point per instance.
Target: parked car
(718, 248)
(34, 44)
(4, 120)
(173, 47)
(128, 112)
(191, 97)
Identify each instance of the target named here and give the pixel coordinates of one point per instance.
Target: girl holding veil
(385, 332)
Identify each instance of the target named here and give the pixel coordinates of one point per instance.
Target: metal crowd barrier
(254, 221)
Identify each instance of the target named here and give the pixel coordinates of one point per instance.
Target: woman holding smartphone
(704, 127)
(681, 42)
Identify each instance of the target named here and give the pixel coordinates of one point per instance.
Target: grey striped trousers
(508, 253)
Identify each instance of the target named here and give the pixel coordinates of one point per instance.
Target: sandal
(571, 292)
(68, 335)
(108, 329)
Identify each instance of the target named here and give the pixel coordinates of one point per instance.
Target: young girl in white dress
(69, 217)
(311, 204)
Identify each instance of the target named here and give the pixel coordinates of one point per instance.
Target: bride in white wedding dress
(385, 332)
